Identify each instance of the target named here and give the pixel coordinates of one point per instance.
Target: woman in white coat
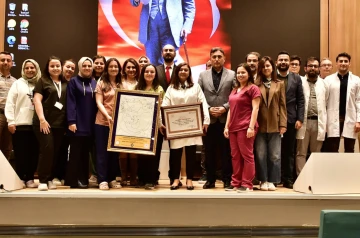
(183, 91)
(19, 111)
(312, 132)
(343, 107)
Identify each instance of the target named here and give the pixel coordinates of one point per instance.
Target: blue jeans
(267, 157)
(107, 163)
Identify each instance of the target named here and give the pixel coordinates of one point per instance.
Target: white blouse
(186, 96)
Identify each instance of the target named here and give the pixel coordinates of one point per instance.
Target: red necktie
(167, 74)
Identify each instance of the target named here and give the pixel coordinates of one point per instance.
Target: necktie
(167, 74)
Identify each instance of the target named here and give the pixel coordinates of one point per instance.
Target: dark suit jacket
(272, 110)
(160, 69)
(295, 102)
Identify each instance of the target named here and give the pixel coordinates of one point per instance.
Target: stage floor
(163, 191)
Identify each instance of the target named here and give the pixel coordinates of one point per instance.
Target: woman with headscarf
(49, 121)
(19, 111)
(143, 60)
(81, 111)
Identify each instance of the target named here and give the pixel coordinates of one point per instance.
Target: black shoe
(174, 187)
(227, 184)
(81, 185)
(288, 184)
(230, 188)
(255, 182)
(202, 179)
(149, 186)
(208, 185)
(190, 187)
(172, 181)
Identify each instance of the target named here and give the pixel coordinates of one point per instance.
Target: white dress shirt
(186, 96)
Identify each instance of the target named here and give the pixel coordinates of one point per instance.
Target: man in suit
(295, 116)
(164, 22)
(217, 85)
(165, 71)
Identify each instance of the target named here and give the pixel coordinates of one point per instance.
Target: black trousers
(175, 161)
(148, 166)
(49, 151)
(215, 140)
(333, 143)
(59, 169)
(78, 164)
(26, 151)
(288, 153)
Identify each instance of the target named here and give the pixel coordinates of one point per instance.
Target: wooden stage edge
(134, 207)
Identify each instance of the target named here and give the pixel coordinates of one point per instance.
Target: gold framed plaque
(182, 121)
(135, 126)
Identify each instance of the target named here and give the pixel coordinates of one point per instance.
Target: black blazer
(294, 99)
(160, 69)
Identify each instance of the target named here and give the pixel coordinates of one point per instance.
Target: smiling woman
(81, 110)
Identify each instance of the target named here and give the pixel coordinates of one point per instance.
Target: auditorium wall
(338, 31)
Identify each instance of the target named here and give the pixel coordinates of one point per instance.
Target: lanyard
(58, 89)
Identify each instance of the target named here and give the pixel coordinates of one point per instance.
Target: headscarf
(81, 62)
(34, 79)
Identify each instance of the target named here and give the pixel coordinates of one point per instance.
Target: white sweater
(19, 109)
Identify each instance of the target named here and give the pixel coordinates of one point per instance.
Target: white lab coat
(352, 114)
(322, 94)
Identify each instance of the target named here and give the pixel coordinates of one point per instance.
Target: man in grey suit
(164, 22)
(217, 85)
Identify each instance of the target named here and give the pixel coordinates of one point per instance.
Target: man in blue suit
(164, 22)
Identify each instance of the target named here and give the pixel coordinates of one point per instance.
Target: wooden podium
(330, 173)
(8, 177)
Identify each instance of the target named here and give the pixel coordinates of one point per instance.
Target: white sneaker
(62, 182)
(56, 182)
(264, 186)
(51, 185)
(271, 187)
(42, 187)
(31, 184)
(244, 190)
(114, 184)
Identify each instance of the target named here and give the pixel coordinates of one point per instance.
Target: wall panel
(344, 31)
(2, 23)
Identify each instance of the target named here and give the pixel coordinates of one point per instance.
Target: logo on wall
(11, 40)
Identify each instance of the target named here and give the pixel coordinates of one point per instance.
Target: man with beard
(252, 59)
(343, 106)
(325, 68)
(295, 116)
(217, 85)
(6, 80)
(164, 71)
(312, 132)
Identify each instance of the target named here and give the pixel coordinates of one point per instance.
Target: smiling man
(295, 115)
(343, 107)
(6, 80)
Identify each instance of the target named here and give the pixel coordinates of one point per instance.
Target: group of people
(257, 119)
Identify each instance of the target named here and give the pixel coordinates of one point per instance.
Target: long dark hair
(137, 67)
(141, 85)
(106, 78)
(261, 77)
(175, 81)
(248, 70)
(46, 69)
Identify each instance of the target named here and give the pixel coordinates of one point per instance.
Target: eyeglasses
(312, 66)
(326, 65)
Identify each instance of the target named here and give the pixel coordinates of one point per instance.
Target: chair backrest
(339, 224)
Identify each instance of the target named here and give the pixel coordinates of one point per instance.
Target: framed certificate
(135, 126)
(183, 121)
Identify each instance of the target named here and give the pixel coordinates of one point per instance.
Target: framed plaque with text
(182, 121)
(135, 127)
